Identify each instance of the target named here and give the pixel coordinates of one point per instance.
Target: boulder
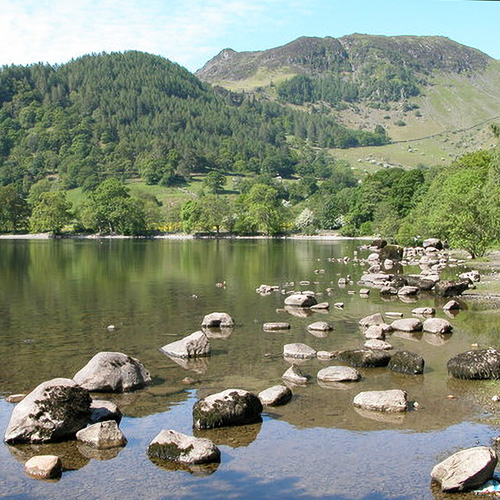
(295, 376)
(101, 411)
(424, 311)
(339, 374)
(408, 290)
(422, 282)
(44, 467)
(406, 362)
(275, 396)
(477, 364)
(320, 326)
(378, 345)
(373, 319)
(452, 305)
(433, 242)
(275, 326)
(466, 469)
(322, 306)
(301, 300)
(326, 355)
(230, 407)
(394, 400)
(102, 435)
(365, 358)
(388, 290)
(53, 411)
(298, 350)
(174, 446)
(113, 372)
(449, 288)
(195, 345)
(407, 325)
(437, 325)
(364, 291)
(393, 252)
(473, 276)
(375, 332)
(217, 320)
(378, 243)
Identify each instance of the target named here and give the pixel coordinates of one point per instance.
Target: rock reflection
(94, 453)
(436, 339)
(413, 336)
(236, 436)
(380, 416)
(197, 365)
(199, 470)
(339, 386)
(218, 333)
(299, 312)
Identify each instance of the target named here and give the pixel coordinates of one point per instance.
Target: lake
(58, 297)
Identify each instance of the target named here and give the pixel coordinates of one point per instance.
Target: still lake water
(58, 297)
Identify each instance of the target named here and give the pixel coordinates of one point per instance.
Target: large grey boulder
(339, 374)
(230, 407)
(217, 320)
(407, 325)
(275, 396)
(299, 351)
(301, 300)
(113, 372)
(437, 325)
(174, 446)
(43, 467)
(102, 435)
(53, 411)
(394, 400)
(406, 362)
(466, 469)
(365, 358)
(477, 364)
(195, 345)
(451, 288)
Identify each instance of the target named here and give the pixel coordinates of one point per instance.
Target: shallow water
(58, 297)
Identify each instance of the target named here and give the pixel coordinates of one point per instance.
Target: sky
(190, 32)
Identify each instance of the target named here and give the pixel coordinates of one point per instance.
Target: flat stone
(275, 396)
(392, 314)
(113, 372)
(407, 325)
(321, 306)
(15, 398)
(437, 325)
(339, 374)
(378, 345)
(394, 400)
(301, 300)
(295, 376)
(276, 325)
(217, 320)
(102, 435)
(320, 326)
(226, 408)
(174, 446)
(424, 311)
(298, 350)
(466, 469)
(43, 467)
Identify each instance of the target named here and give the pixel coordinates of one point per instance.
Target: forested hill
(135, 114)
(350, 69)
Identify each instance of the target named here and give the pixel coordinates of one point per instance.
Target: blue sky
(190, 32)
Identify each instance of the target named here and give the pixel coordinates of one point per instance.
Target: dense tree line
(132, 114)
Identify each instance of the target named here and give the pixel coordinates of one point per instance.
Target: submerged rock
(193, 346)
(174, 446)
(275, 396)
(365, 358)
(230, 407)
(53, 411)
(394, 400)
(475, 364)
(217, 320)
(113, 372)
(44, 467)
(406, 362)
(102, 435)
(466, 469)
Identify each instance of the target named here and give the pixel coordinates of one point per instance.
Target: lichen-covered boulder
(406, 362)
(230, 407)
(102, 435)
(299, 351)
(217, 320)
(466, 469)
(44, 467)
(174, 446)
(53, 411)
(477, 364)
(339, 374)
(195, 345)
(113, 372)
(437, 325)
(275, 396)
(451, 288)
(365, 358)
(301, 300)
(394, 400)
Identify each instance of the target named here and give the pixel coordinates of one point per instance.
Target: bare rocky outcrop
(113, 372)
(173, 446)
(477, 364)
(466, 469)
(195, 345)
(230, 407)
(53, 411)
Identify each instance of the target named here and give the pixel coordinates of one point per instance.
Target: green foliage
(214, 181)
(206, 214)
(50, 213)
(13, 210)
